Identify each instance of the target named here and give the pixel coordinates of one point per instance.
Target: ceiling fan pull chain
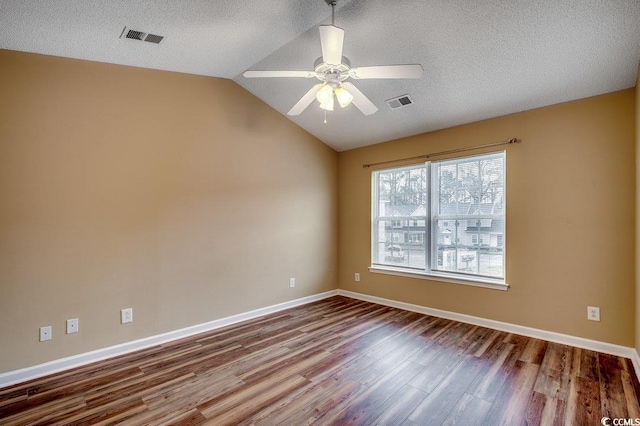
(325, 116)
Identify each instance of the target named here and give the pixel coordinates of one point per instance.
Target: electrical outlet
(126, 315)
(72, 325)
(292, 282)
(593, 313)
(357, 277)
(45, 333)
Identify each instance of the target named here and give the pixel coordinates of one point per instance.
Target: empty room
(296, 212)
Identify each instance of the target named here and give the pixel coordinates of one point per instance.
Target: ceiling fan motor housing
(332, 74)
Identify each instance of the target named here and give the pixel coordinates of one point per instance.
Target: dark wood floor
(337, 361)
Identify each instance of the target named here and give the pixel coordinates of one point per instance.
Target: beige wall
(570, 219)
(181, 196)
(637, 298)
(188, 199)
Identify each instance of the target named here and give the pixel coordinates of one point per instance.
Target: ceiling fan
(333, 69)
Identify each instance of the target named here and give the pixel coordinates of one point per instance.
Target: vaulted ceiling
(481, 58)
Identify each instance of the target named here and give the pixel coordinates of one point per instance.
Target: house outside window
(451, 212)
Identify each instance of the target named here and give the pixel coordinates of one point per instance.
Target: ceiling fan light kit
(332, 69)
(325, 94)
(344, 97)
(328, 105)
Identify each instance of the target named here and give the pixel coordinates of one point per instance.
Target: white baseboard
(28, 373)
(22, 375)
(635, 358)
(565, 339)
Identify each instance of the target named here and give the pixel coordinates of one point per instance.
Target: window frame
(430, 240)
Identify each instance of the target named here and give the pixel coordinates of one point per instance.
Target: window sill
(475, 282)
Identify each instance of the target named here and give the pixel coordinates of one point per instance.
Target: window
(444, 218)
(416, 238)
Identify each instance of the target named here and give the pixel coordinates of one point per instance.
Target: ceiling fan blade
(260, 74)
(387, 71)
(360, 100)
(304, 102)
(331, 39)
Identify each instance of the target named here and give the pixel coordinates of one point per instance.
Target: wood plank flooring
(338, 361)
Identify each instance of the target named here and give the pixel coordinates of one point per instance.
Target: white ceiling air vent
(141, 35)
(399, 102)
(152, 38)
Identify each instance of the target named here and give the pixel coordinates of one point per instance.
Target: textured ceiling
(482, 58)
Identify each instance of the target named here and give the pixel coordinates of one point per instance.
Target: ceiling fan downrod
(332, 3)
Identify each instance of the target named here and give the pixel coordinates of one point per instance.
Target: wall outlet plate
(593, 313)
(292, 282)
(72, 325)
(45, 333)
(126, 315)
(357, 277)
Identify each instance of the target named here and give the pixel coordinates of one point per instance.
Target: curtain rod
(451, 151)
